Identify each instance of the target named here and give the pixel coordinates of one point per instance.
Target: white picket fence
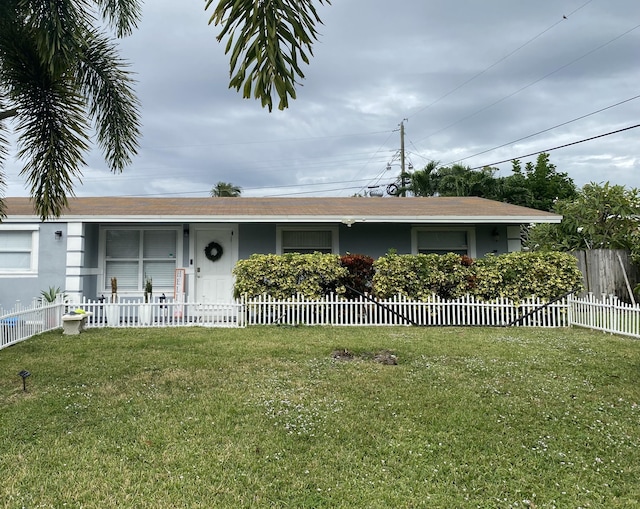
(608, 315)
(467, 311)
(22, 322)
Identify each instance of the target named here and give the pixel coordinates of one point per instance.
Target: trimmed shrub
(543, 274)
(283, 276)
(359, 275)
(517, 276)
(419, 277)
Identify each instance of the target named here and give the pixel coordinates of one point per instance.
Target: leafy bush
(543, 274)
(283, 276)
(359, 275)
(517, 276)
(420, 276)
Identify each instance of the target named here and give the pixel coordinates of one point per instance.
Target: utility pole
(403, 174)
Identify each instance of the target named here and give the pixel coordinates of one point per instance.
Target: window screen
(306, 241)
(134, 255)
(15, 250)
(441, 242)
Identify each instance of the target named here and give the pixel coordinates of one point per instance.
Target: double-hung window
(135, 255)
(445, 240)
(18, 250)
(307, 240)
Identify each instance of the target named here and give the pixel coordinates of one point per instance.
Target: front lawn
(308, 417)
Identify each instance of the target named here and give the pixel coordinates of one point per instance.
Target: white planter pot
(112, 314)
(145, 314)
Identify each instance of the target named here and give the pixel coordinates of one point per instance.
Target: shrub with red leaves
(360, 275)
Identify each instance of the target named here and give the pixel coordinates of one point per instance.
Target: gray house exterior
(167, 239)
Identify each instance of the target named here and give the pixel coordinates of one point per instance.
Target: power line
(544, 130)
(558, 147)
(531, 84)
(513, 52)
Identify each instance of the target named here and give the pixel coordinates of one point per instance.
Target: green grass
(266, 417)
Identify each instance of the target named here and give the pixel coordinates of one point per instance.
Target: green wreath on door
(213, 251)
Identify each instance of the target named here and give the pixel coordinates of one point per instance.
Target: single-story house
(192, 244)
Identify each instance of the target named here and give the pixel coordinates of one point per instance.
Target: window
(307, 240)
(18, 250)
(445, 240)
(133, 255)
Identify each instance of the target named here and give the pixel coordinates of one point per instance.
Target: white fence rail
(608, 314)
(25, 321)
(165, 312)
(466, 311)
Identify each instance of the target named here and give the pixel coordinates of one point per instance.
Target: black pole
(387, 308)
(539, 308)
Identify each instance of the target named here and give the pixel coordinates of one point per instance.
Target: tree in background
(544, 184)
(225, 189)
(539, 186)
(456, 180)
(601, 216)
(60, 80)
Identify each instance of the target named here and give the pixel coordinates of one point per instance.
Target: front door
(215, 258)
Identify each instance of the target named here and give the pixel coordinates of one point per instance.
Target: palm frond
(113, 105)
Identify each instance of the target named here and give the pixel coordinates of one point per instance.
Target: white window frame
(307, 228)
(470, 231)
(106, 285)
(32, 271)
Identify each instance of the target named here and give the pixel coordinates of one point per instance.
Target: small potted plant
(48, 297)
(146, 309)
(112, 309)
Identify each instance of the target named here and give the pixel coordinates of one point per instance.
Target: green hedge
(517, 276)
(283, 276)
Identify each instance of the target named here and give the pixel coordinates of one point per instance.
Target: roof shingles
(244, 209)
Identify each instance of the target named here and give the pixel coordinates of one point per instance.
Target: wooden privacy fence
(467, 311)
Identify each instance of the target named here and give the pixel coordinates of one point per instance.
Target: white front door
(213, 278)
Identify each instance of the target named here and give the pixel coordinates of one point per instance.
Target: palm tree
(222, 189)
(423, 182)
(61, 79)
(266, 41)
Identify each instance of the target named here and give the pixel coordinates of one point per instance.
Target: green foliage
(359, 275)
(283, 276)
(546, 275)
(148, 289)
(226, 189)
(62, 81)
(266, 40)
(543, 183)
(420, 276)
(602, 216)
(51, 294)
(514, 275)
(538, 186)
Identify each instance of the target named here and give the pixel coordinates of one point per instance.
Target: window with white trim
(134, 255)
(307, 240)
(445, 240)
(18, 250)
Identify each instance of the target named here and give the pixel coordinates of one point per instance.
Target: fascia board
(295, 219)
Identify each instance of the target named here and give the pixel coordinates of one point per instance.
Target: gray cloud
(450, 68)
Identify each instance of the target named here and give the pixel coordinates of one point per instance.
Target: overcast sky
(468, 79)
